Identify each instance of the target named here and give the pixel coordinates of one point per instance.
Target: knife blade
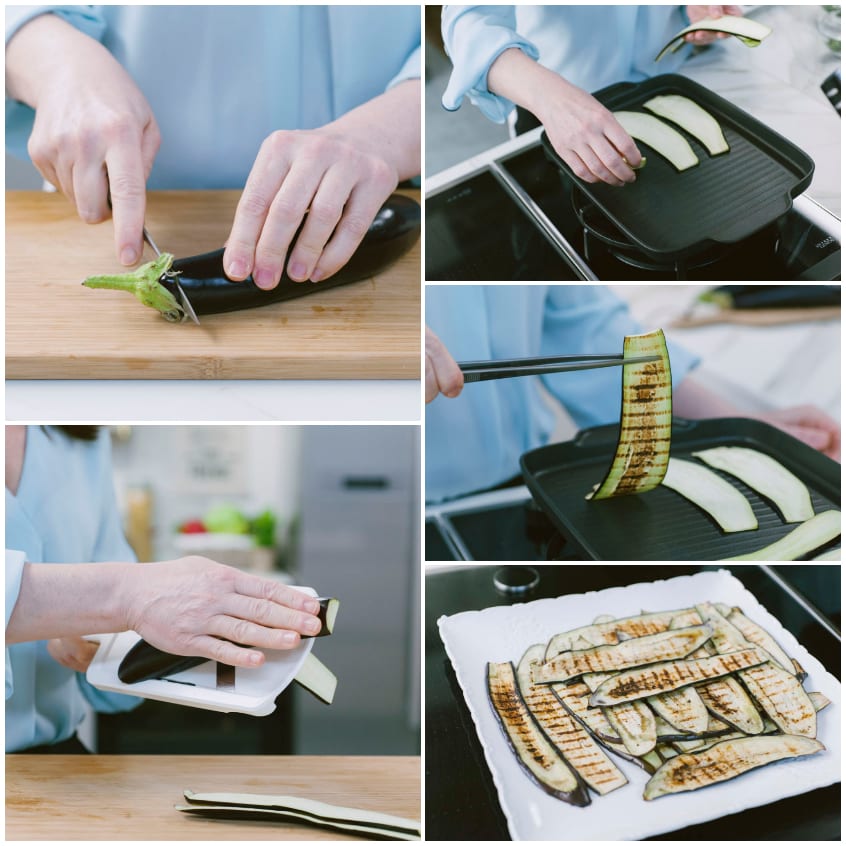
(183, 297)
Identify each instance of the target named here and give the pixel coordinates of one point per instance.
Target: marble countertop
(779, 84)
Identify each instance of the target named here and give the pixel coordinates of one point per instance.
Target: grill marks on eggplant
(628, 653)
(564, 731)
(691, 719)
(534, 752)
(725, 761)
(643, 448)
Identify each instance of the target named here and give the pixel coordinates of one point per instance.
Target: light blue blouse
(220, 79)
(475, 440)
(591, 46)
(64, 512)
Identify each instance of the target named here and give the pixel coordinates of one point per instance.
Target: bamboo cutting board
(56, 329)
(131, 797)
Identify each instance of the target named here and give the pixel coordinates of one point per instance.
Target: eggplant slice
(643, 448)
(747, 31)
(725, 761)
(536, 754)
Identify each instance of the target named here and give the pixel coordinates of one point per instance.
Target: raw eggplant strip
(640, 682)
(661, 137)
(831, 555)
(682, 709)
(632, 721)
(576, 699)
(317, 679)
(691, 117)
(629, 653)
(765, 475)
(805, 538)
(534, 752)
(726, 505)
(760, 637)
(310, 807)
(643, 448)
(778, 692)
(749, 32)
(580, 750)
(725, 761)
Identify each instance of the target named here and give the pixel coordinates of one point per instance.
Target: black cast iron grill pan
(724, 199)
(661, 525)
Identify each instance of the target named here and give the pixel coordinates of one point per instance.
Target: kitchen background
(334, 508)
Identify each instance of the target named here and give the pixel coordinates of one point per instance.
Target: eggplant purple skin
(394, 231)
(144, 662)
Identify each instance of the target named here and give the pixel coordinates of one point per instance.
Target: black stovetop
(477, 230)
(461, 799)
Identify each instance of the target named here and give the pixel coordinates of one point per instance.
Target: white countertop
(186, 401)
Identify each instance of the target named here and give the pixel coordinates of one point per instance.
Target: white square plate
(472, 638)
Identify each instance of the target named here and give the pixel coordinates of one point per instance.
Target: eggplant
(747, 31)
(760, 637)
(394, 230)
(640, 682)
(629, 653)
(576, 699)
(691, 117)
(765, 475)
(317, 679)
(541, 760)
(144, 661)
(772, 296)
(643, 448)
(665, 140)
(725, 761)
(571, 739)
(807, 537)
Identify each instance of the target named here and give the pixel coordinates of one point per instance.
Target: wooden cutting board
(131, 797)
(56, 329)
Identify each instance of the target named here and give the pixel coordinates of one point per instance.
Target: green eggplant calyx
(144, 283)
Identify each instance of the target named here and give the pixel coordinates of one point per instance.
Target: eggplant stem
(143, 282)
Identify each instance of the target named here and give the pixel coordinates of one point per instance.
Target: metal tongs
(482, 371)
(184, 302)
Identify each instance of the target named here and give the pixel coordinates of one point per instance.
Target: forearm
(61, 600)
(521, 79)
(40, 49)
(389, 125)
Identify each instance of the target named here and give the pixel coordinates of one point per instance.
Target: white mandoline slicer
(254, 690)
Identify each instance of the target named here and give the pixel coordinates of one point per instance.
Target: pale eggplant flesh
(629, 653)
(661, 137)
(747, 31)
(536, 754)
(807, 537)
(725, 761)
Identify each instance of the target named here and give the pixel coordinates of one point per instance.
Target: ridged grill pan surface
(661, 525)
(724, 199)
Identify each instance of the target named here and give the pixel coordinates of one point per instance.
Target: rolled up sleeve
(474, 36)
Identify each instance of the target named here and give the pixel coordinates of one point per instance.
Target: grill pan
(669, 215)
(661, 525)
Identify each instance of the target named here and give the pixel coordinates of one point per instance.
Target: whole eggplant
(773, 296)
(393, 232)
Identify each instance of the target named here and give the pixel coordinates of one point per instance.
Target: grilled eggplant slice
(683, 709)
(726, 505)
(776, 690)
(575, 698)
(726, 699)
(760, 637)
(535, 753)
(725, 761)
(765, 475)
(632, 721)
(581, 751)
(804, 539)
(640, 682)
(629, 653)
(643, 448)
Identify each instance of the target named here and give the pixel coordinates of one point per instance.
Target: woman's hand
(94, 132)
(340, 174)
(443, 375)
(195, 606)
(583, 132)
(75, 653)
(698, 13)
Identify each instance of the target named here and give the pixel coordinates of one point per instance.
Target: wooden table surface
(56, 329)
(131, 797)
